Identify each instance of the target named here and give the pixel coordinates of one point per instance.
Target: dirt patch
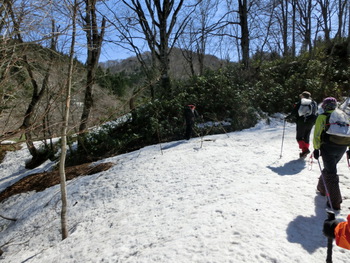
(41, 181)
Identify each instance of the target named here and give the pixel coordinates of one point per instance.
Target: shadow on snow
(290, 168)
(307, 231)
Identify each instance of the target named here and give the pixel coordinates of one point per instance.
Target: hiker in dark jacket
(190, 114)
(305, 114)
(331, 148)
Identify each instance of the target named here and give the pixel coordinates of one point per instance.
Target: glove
(329, 226)
(316, 154)
(288, 118)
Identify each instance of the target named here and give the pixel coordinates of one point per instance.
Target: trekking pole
(160, 141)
(310, 162)
(222, 127)
(284, 128)
(158, 134)
(215, 120)
(347, 158)
(325, 186)
(200, 134)
(331, 216)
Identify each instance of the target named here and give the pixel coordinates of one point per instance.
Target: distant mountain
(179, 66)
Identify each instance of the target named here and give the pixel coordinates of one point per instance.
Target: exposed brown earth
(41, 181)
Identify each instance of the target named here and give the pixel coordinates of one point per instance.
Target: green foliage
(281, 81)
(216, 95)
(231, 93)
(117, 82)
(222, 95)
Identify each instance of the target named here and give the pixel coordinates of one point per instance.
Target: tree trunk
(64, 227)
(349, 32)
(285, 13)
(94, 43)
(38, 92)
(324, 6)
(341, 8)
(243, 22)
(293, 28)
(305, 12)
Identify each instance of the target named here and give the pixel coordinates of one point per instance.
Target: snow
(223, 198)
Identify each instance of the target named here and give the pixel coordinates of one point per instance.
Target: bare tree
(94, 38)
(157, 20)
(203, 25)
(243, 11)
(325, 21)
(187, 47)
(206, 17)
(125, 26)
(275, 30)
(305, 8)
(348, 9)
(341, 9)
(8, 60)
(284, 25)
(64, 227)
(39, 86)
(294, 10)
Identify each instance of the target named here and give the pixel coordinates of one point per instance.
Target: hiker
(340, 231)
(305, 114)
(331, 148)
(190, 114)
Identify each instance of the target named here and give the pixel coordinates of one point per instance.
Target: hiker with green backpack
(331, 140)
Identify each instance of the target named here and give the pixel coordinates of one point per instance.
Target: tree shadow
(307, 231)
(172, 145)
(290, 168)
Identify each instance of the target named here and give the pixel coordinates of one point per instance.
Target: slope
(227, 199)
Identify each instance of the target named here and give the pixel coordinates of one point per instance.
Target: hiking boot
(335, 207)
(321, 192)
(304, 153)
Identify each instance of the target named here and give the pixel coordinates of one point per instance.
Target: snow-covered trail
(232, 200)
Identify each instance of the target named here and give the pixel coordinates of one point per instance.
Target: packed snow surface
(236, 197)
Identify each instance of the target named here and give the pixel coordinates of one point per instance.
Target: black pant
(189, 128)
(331, 155)
(304, 130)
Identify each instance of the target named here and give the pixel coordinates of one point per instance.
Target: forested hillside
(225, 91)
(179, 67)
(236, 69)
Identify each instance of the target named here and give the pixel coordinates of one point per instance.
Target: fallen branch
(7, 218)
